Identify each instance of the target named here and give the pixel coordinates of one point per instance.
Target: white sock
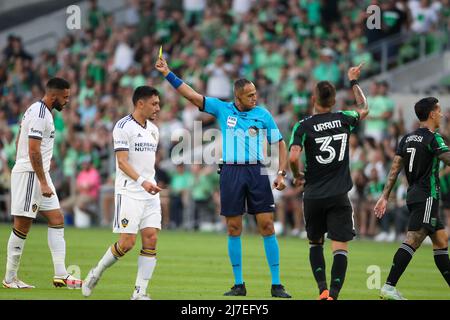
(105, 262)
(15, 249)
(57, 246)
(146, 265)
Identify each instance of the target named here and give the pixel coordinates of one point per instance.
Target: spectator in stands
(381, 111)
(327, 69)
(220, 74)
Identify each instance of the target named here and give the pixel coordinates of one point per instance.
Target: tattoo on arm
(294, 160)
(397, 166)
(445, 157)
(361, 101)
(36, 163)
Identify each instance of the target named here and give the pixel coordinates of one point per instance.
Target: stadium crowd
(282, 46)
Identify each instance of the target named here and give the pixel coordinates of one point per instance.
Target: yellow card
(160, 52)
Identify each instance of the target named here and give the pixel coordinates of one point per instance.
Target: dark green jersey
(420, 150)
(324, 138)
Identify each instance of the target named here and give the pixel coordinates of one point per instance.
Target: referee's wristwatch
(282, 173)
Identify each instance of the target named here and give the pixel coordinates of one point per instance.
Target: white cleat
(140, 296)
(16, 284)
(68, 281)
(89, 283)
(389, 292)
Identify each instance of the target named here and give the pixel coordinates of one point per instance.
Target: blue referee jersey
(243, 132)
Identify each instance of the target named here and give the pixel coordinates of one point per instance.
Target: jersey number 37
(326, 147)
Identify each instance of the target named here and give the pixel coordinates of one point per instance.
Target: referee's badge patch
(253, 131)
(124, 223)
(231, 121)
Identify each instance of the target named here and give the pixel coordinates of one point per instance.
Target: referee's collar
(246, 111)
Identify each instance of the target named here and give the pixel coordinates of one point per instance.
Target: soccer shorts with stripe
(332, 215)
(425, 215)
(26, 196)
(132, 215)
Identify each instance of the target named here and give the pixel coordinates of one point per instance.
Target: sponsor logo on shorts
(433, 222)
(124, 223)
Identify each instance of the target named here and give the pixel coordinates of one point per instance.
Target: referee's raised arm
(184, 89)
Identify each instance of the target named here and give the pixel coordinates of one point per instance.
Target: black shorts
(425, 215)
(245, 188)
(332, 215)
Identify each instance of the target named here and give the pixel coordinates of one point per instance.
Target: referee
(243, 178)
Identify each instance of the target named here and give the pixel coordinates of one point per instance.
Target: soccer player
(138, 207)
(419, 153)
(242, 180)
(32, 190)
(327, 209)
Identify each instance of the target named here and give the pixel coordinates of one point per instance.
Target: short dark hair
(57, 83)
(424, 107)
(239, 84)
(326, 94)
(143, 92)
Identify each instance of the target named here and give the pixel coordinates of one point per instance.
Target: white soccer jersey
(37, 123)
(141, 143)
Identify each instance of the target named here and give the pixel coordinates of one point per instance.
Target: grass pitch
(195, 266)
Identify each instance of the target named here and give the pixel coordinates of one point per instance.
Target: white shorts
(132, 215)
(26, 196)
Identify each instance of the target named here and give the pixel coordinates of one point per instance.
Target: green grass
(195, 266)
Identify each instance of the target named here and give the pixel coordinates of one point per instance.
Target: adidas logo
(139, 135)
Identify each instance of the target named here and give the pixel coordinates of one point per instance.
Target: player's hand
(161, 66)
(299, 180)
(150, 187)
(380, 208)
(355, 72)
(279, 183)
(46, 190)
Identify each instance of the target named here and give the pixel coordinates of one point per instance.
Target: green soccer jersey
(420, 150)
(324, 139)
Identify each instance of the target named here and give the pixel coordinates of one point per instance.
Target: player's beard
(58, 106)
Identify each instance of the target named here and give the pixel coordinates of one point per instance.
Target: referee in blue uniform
(243, 178)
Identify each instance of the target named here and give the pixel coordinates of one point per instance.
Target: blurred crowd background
(284, 47)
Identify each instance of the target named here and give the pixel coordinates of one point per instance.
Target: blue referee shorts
(245, 186)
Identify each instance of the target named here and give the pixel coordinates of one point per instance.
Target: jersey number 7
(411, 159)
(325, 147)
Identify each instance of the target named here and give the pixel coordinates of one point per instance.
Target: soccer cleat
(237, 290)
(140, 296)
(389, 292)
(329, 298)
(324, 295)
(278, 291)
(89, 283)
(16, 284)
(68, 281)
